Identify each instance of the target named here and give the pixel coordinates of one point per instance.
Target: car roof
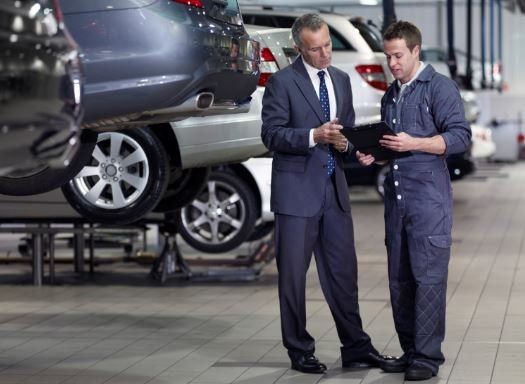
(341, 23)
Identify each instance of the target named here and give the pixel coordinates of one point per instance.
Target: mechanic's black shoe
(418, 372)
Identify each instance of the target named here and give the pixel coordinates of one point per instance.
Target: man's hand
(363, 159)
(330, 133)
(400, 143)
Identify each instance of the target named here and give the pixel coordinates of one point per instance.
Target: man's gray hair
(311, 21)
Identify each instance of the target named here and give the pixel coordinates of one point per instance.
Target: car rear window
(372, 38)
(269, 20)
(339, 43)
(225, 10)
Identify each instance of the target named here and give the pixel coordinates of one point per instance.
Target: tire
(130, 164)
(45, 179)
(225, 198)
(261, 230)
(380, 180)
(184, 186)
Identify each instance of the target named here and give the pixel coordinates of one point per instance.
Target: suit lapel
(338, 90)
(306, 87)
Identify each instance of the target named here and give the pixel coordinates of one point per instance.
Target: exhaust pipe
(197, 103)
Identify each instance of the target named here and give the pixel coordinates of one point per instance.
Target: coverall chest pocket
(417, 120)
(409, 114)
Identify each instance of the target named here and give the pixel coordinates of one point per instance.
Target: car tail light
(521, 138)
(374, 75)
(268, 66)
(191, 3)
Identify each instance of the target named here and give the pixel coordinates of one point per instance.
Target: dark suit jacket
(290, 109)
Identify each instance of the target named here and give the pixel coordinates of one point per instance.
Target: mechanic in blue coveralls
(424, 108)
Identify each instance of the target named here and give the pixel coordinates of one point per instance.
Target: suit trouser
(418, 223)
(329, 235)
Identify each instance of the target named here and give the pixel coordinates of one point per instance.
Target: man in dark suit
(304, 107)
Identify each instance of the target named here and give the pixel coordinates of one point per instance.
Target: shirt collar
(420, 69)
(312, 71)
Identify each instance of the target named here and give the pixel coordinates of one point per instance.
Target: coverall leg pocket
(438, 256)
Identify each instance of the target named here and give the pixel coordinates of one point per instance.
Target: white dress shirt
(314, 78)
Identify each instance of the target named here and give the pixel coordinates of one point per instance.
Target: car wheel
(125, 178)
(221, 218)
(184, 186)
(380, 180)
(44, 178)
(261, 231)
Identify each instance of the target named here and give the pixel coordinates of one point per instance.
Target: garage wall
(431, 18)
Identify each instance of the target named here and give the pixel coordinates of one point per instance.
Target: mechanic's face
(402, 62)
(316, 47)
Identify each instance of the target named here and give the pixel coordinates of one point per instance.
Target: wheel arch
(167, 137)
(246, 176)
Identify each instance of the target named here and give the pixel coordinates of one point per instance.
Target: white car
(508, 137)
(438, 57)
(234, 207)
(483, 147)
(363, 60)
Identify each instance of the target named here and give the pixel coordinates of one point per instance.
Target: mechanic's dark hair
(311, 21)
(404, 30)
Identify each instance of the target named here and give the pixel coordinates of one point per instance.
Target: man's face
(402, 62)
(316, 47)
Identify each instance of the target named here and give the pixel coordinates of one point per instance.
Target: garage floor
(123, 329)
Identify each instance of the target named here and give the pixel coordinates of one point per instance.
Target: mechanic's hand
(400, 143)
(363, 159)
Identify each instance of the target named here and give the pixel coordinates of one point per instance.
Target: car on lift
(115, 186)
(40, 96)
(145, 63)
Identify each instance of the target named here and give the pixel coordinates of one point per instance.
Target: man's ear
(297, 49)
(417, 50)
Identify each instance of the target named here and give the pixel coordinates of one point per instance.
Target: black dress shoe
(417, 372)
(307, 364)
(370, 360)
(395, 366)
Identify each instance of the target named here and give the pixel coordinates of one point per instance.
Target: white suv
(351, 52)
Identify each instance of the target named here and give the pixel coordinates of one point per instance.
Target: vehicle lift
(171, 262)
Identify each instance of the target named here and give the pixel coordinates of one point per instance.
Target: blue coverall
(418, 212)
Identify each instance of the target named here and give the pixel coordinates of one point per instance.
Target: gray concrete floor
(120, 328)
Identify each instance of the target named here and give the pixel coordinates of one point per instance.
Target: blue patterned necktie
(325, 106)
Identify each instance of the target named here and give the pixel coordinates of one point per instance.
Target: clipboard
(365, 138)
